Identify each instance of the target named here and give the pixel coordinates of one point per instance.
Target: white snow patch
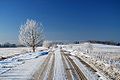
(59, 73)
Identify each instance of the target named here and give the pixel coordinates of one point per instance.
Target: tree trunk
(33, 47)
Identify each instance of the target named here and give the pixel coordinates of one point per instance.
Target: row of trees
(105, 42)
(6, 45)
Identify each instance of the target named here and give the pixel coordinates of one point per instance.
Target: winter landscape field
(84, 61)
(59, 39)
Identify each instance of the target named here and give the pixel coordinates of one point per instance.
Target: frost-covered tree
(47, 44)
(89, 47)
(31, 34)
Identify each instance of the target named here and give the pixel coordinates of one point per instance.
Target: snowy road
(57, 65)
(59, 72)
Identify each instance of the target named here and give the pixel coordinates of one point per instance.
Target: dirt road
(59, 66)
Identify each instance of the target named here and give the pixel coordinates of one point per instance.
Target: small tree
(47, 44)
(31, 34)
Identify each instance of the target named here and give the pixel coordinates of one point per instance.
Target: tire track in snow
(40, 74)
(67, 67)
(73, 72)
(79, 72)
(50, 76)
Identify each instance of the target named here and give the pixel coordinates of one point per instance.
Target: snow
(5, 52)
(68, 66)
(83, 68)
(59, 73)
(48, 68)
(90, 74)
(103, 57)
(21, 67)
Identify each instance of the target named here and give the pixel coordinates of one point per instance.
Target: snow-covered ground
(104, 57)
(21, 67)
(59, 73)
(4, 52)
(95, 61)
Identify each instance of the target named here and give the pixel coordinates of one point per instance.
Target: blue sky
(62, 19)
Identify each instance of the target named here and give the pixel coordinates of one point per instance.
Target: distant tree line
(7, 45)
(105, 42)
(11, 45)
(76, 42)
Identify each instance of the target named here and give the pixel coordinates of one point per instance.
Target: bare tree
(31, 34)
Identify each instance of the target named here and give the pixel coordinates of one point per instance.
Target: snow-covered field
(4, 52)
(21, 67)
(105, 58)
(75, 61)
